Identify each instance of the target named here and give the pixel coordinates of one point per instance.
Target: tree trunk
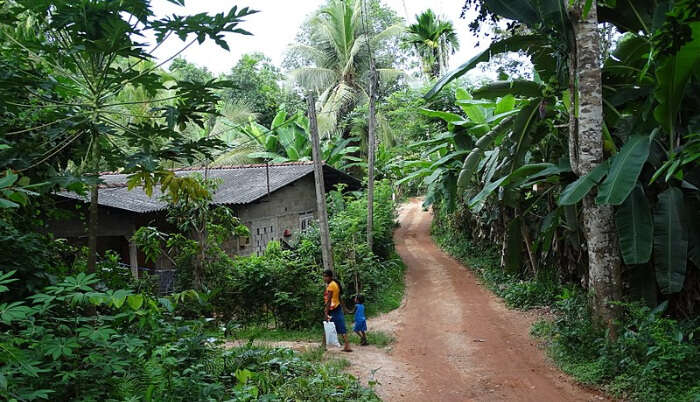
(199, 235)
(370, 154)
(435, 72)
(326, 251)
(94, 208)
(603, 253)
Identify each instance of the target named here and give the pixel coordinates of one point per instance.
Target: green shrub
(517, 292)
(70, 342)
(256, 373)
(282, 287)
(653, 358)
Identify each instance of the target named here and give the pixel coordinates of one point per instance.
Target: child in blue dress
(360, 327)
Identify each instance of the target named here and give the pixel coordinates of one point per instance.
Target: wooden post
(326, 251)
(133, 259)
(93, 226)
(371, 140)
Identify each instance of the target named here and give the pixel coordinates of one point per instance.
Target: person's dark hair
(329, 274)
(360, 299)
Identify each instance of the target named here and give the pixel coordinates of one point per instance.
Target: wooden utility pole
(93, 225)
(326, 251)
(371, 140)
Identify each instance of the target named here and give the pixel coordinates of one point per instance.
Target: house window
(305, 221)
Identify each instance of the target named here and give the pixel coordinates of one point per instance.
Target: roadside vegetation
(580, 194)
(651, 358)
(561, 163)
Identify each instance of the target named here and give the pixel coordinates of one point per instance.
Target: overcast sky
(277, 23)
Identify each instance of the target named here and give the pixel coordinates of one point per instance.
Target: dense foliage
(503, 168)
(259, 84)
(81, 94)
(509, 195)
(499, 161)
(81, 337)
(283, 288)
(137, 348)
(654, 358)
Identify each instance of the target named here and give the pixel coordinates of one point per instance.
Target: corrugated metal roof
(239, 185)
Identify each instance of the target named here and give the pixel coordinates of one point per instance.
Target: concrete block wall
(269, 218)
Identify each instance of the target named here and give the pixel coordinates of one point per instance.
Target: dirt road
(455, 341)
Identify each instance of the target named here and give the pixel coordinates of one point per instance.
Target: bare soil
(455, 340)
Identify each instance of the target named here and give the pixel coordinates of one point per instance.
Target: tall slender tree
(434, 40)
(339, 59)
(586, 153)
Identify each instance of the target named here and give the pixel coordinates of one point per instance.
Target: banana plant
(655, 174)
(650, 130)
(287, 140)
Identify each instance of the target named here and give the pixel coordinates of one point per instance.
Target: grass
(515, 291)
(392, 297)
(376, 338)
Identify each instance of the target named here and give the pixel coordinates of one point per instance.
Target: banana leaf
(520, 175)
(447, 158)
(473, 109)
(635, 229)
(511, 44)
(522, 88)
(672, 77)
(448, 117)
(472, 160)
(670, 241)
(522, 125)
(523, 11)
(505, 104)
(625, 167)
(575, 191)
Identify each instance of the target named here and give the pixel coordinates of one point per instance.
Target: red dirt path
(455, 341)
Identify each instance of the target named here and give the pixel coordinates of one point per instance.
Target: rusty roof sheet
(238, 185)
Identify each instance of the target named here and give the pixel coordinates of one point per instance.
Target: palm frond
(314, 78)
(357, 47)
(237, 155)
(388, 75)
(316, 55)
(389, 33)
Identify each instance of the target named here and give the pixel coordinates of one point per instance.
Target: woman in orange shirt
(334, 308)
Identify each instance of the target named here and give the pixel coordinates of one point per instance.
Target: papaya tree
(80, 56)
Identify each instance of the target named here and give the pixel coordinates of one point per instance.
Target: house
(275, 201)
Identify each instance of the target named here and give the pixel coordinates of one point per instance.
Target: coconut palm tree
(340, 40)
(434, 40)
